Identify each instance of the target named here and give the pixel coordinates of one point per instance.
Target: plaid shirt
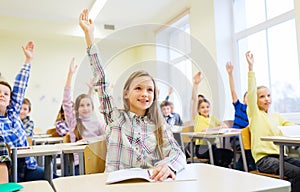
(28, 126)
(61, 127)
(11, 126)
(131, 141)
(4, 157)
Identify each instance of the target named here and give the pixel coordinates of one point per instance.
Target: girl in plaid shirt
(138, 135)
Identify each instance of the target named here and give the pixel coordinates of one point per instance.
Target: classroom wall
(49, 69)
(54, 52)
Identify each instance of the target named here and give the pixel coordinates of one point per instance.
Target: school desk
(199, 177)
(36, 186)
(230, 132)
(282, 141)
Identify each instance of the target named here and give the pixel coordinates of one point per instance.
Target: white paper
(290, 131)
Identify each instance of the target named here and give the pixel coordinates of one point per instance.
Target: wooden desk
(208, 178)
(282, 141)
(38, 150)
(36, 186)
(207, 136)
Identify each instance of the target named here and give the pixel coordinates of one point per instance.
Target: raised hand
(28, 51)
(87, 26)
(170, 91)
(73, 67)
(197, 78)
(229, 67)
(250, 60)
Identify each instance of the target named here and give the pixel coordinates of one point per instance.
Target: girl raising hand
(138, 135)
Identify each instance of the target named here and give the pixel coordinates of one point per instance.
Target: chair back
(94, 157)
(52, 132)
(29, 139)
(186, 139)
(246, 136)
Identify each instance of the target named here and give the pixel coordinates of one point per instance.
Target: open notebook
(142, 174)
(290, 131)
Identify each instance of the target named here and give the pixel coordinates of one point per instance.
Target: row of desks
(48, 151)
(231, 132)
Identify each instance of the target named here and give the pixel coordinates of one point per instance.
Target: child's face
(264, 99)
(140, 95)
(204, 109)
(85, 108)
(166, 110)
(24, 111)
(4, 97)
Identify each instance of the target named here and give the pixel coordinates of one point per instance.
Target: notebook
(139, 174)
(10, 187)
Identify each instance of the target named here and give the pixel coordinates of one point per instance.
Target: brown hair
(27, 102)
(166, 103)
(153, 113)
(79, 126)
(61, 114)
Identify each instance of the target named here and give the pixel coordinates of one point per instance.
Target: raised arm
(105, 99)
(250, 60)
(170, 91)
(72, 70)
(196, 81)
(252, 90)
(67, 101)
(229, 68)
(21, 80)
(87, 26)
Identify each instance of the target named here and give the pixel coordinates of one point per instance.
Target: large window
(267, 28)
(173, 48)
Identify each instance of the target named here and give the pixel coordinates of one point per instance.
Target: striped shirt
(11, 126)
(131, 141)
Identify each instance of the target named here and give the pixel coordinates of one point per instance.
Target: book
(128, 174)
(10, 187)
(139, 174)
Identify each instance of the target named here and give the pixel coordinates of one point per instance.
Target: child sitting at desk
(264, 123)
(11, 127)
(81, 118)
(202, 121)
(136, 136)
(25, 118)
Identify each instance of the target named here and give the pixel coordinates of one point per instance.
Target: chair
(94, 157)
(52, 132)
(185, 140)
(246, 136)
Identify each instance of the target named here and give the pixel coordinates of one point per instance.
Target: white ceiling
(61, 16)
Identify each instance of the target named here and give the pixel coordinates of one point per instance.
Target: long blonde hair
(79, 125)
(153, 113)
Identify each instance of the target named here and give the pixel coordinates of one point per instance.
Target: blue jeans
(270, 164)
